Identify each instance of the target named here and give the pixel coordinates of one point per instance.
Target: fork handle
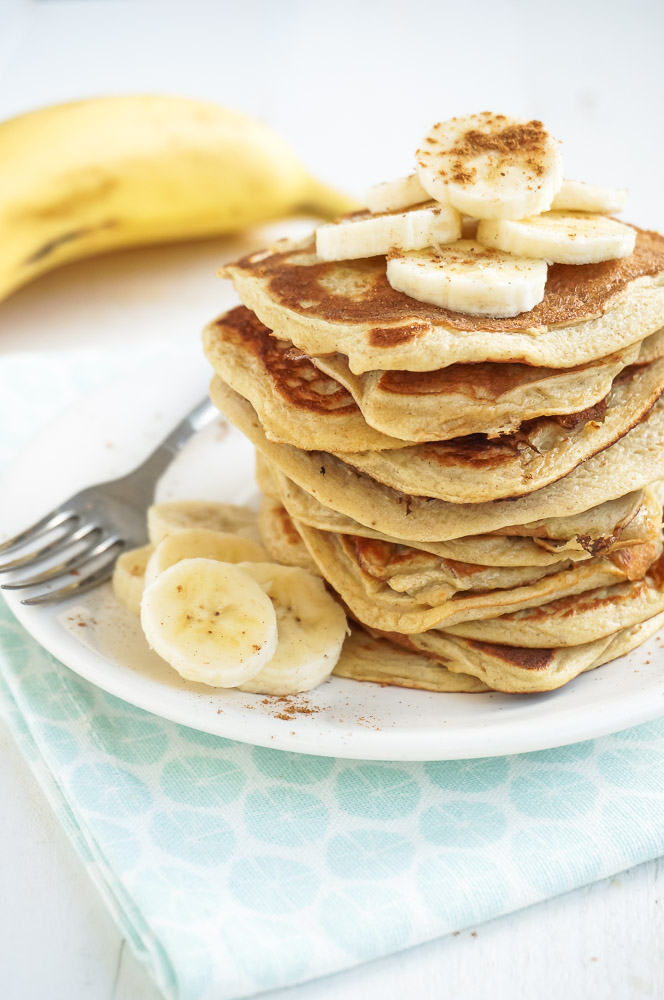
(196, 420)
(159, 460)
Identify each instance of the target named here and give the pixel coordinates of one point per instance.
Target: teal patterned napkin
(235, 869)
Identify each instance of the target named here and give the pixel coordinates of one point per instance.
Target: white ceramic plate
(106, 435)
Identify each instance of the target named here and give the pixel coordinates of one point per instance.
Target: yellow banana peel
(95, 175)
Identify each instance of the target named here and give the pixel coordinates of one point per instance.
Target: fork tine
(86, 556)
(119, 502)
(51, 520)
(79, 586)
(51, 548)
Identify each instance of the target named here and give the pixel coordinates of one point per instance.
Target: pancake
(421, 661)
(514, 670)
(410, 664)
(368, 658)
(487, 398)
(395, 589)
(571, 620)
(319, 404)
(475, 469)
(296, 402)
(281, 539)
(323, 307)
(633, 462)
(483, 550)
(651, 348)
(601, 529)
(606, 528)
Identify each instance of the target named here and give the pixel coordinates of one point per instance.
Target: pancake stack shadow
(483, 495)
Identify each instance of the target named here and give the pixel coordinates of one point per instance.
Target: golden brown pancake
(488, 398)
(515, 670)
(395, 589)
(282, 540)
(323, 307)
(296, 401)
(318, 403)
(628, 465)
(569, 621)
(611, 526)
(368, 658)
(280, 537)
(476, 469)
(557, 641)
(615, 525)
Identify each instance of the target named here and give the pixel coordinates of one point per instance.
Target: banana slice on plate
(490, 166)
(373, 235)
(202, 543)
(129, 577)
(211, 621)
(576, 196)
(466, 277)
(560, 237)
(311, 625)
(166, 518)
(391, 196)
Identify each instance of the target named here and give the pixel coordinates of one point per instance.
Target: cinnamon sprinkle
(288, 708)
(508, 142)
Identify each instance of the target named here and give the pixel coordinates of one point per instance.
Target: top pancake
(588, 311)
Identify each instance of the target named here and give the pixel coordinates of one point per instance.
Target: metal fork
(87, 533)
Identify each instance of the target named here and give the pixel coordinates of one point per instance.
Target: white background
(352, 86)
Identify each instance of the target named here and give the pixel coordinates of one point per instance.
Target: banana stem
(326, 203)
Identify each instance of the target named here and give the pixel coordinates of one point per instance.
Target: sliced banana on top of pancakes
(504, 176)
(490, 166)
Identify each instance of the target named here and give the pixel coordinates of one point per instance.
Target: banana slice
(575, 196)
(392, 196)
(311, 624)
(211, 621)
(202, 543)
(490, 166)
(560, 237)
(372, 235)
(468, 278)
(166, 518)
(129, 577)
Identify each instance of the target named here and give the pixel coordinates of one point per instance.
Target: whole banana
(91, 176)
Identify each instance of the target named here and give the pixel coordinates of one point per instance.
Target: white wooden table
(352, 85)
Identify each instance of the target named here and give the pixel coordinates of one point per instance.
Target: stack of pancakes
(481, 493)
